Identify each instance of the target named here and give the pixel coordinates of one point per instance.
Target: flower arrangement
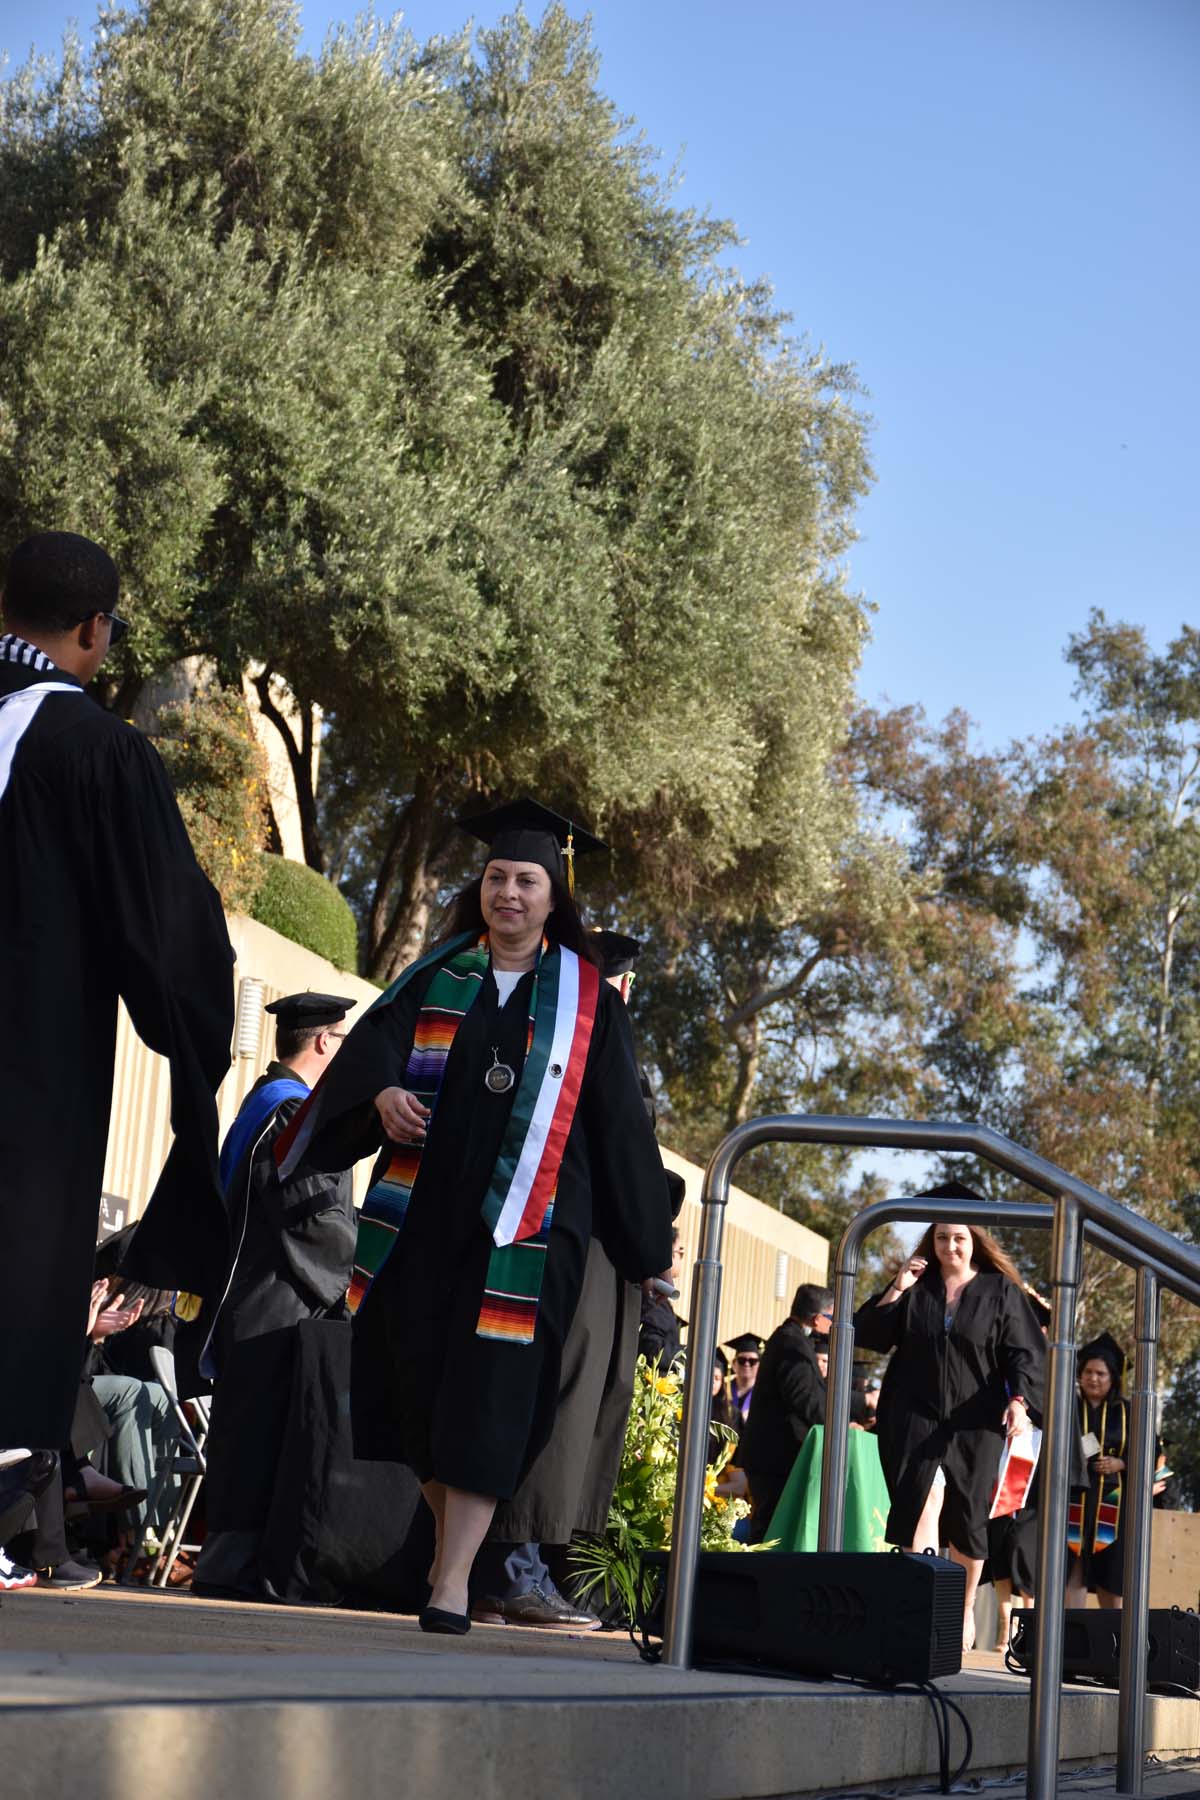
(641, 1515)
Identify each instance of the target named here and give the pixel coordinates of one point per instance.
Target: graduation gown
(944, 1395)
(1109, 1425)
(469, 1411)
(101, 898)
(295, 1247)
(570, 1486)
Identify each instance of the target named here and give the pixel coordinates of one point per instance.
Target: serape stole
(519, 1205)
(1108, 1512)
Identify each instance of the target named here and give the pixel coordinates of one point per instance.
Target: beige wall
(140, 1135)
(765, 1257)
(140, 1131)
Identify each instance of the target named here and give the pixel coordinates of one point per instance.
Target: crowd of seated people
(74, 1512)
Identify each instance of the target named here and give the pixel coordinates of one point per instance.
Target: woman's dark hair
(985, 1251)
(723, 1411)
(564, 926)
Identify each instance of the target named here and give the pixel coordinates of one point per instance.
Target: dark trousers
(43, 1542)
(765, 1492)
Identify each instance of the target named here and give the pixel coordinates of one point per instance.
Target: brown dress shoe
(550, 1611)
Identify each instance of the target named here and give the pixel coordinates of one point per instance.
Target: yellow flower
(664, 1384)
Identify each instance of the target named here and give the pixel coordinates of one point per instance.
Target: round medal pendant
(499, 1077)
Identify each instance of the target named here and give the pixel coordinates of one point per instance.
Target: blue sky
(990, 210)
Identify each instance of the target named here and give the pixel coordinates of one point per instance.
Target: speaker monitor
(1092, 1647)
(881, 1618)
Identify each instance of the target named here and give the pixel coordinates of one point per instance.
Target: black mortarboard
(1104, 1349)
(308, 1012)
(720, 1360)
(526, 831)
(749, 1340)
(618, 953)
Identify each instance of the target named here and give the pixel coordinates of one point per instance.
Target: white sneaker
(13, 1456)
(12, 1575)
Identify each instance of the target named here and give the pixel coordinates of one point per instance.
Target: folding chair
(184, 1460)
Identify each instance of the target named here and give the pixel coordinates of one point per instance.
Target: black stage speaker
(1092, 1648)
(882, 1618)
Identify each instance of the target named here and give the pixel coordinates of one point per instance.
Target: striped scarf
(1108, 1508)
(519, 1205)
(15, 649)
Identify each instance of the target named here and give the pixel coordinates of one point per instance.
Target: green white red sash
(518, 1206)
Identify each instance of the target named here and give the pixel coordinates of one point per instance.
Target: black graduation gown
(570, 1486)
(944, 1395)
(100, 897)
(1109, 1424)
(296, 1247)
(469, 1411)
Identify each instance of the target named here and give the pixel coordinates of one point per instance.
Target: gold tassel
(569, 854)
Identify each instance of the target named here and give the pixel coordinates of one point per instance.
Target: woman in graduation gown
(1095, 1553)
(497, 1078)
(966, 1372)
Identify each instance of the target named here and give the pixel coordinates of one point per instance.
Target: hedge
(302, 905)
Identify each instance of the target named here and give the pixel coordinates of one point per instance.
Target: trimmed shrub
(302, 905)
(218, 770)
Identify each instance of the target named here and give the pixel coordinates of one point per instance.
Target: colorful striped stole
(518, 1207)
(1108, 1512)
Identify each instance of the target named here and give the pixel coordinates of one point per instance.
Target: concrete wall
(140, 1135)
(140, 1129)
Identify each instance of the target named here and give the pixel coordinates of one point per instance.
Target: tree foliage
(403, 376)
(302, 905)
(219, 772)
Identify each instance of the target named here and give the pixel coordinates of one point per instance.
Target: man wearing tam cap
(293, 1245)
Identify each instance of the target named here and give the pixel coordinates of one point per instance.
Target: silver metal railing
(1077, 1209)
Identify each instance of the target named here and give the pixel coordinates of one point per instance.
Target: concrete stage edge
(108, 1694)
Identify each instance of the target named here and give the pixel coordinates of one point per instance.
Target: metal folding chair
(183, 1462)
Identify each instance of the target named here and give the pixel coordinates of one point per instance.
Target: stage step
(101, 1693)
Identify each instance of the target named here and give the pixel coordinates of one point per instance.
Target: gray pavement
(302, 1703)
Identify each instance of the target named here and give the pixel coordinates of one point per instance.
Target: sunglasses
(748, 1362)
(117, 626)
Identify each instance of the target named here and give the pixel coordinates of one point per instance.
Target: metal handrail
(1078, 1208)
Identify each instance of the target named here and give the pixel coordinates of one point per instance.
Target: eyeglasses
(117, 627)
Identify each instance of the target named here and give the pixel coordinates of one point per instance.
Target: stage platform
(113, 1694)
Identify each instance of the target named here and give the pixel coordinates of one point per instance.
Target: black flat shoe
(447, 1624)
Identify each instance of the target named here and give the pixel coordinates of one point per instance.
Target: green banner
(798, 1514)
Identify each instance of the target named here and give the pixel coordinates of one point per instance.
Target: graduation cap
(618, 953)
(720, 1360)
(526, 831)
(1104, 1349)
(309, 1011)
(749, 1341)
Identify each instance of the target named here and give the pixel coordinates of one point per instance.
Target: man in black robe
(102, 898)
(293, 1252)
(789, 1398)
